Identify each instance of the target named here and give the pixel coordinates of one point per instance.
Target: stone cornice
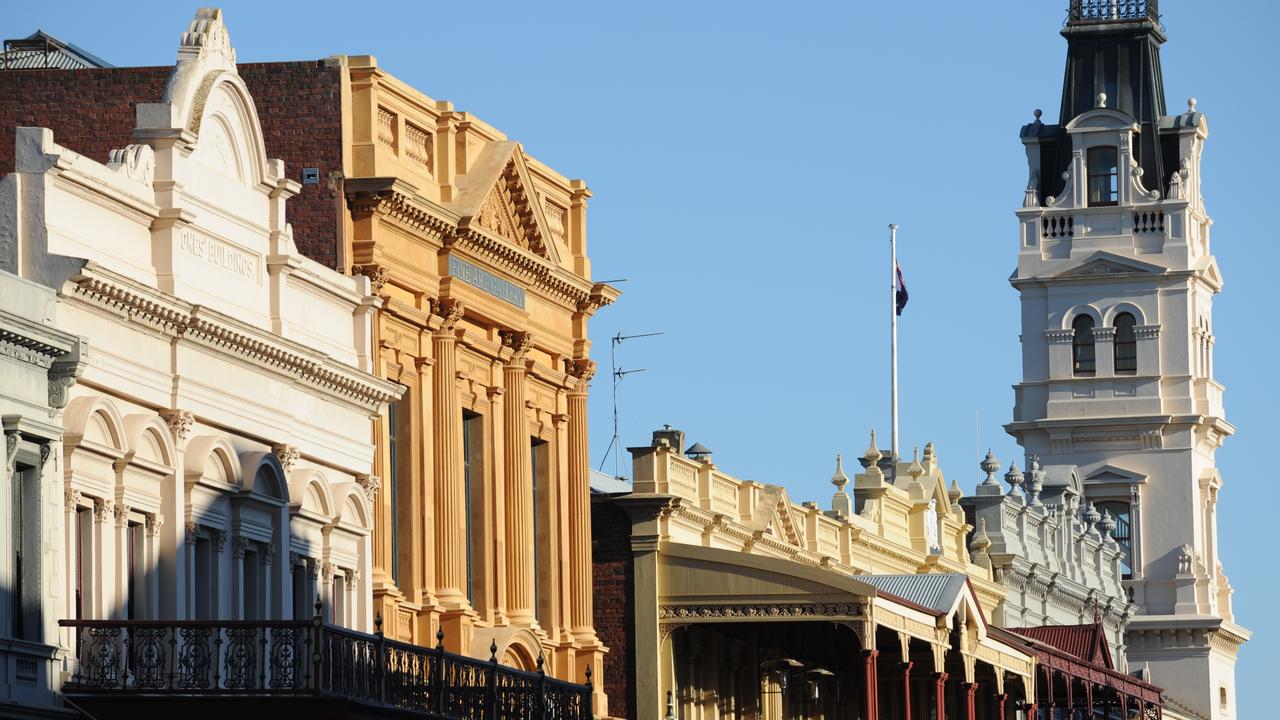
(134, 302)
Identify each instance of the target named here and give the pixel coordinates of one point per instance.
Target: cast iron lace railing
(300, 657)
(1098, 11)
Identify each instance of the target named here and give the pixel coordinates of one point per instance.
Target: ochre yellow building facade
(478, 253)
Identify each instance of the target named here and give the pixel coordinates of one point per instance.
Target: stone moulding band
(199, 324)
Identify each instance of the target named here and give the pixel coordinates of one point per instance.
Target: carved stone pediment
(498, 198)
(1105, 263)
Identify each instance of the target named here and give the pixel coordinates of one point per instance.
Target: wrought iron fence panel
(1092, 11)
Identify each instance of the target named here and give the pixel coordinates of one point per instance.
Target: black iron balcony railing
(1100, 11)
(300, 657)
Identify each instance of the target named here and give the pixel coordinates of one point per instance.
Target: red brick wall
(92, 112)
(613, 586)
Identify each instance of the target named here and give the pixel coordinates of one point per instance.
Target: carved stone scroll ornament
(71, 499)
(11, 440)
(136, 162)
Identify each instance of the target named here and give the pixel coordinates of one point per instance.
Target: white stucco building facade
(217, 452)
(1117, 278)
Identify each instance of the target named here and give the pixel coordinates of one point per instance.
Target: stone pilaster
(518, 471)
(450, 532)
(580, 505)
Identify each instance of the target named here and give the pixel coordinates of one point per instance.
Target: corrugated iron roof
(606, 484)
(1087, 642)
(41, 50)
(936, 591)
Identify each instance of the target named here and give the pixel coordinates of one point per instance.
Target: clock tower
(1118, 400)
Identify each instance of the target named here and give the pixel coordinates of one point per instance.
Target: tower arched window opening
(1104, 176)
(1126, 344)
(1083, 360)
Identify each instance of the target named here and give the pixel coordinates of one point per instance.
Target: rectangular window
(84, 523)
(539, 455)
(473, 480)
(301, 593)
(393, 460)
(1104, 176)
(133, 584)
(252, 586)
(1123, 533)
(204, 573)
(25, 537)
(339, 599)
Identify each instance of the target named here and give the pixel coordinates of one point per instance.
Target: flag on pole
(902, 289)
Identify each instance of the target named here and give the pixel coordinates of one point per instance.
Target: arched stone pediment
(309, 493)
(150, 439)
(1102, 119)
(97, 420)
(212, 460)
(353, 507)
(264, 477)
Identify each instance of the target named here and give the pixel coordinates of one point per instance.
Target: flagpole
(893, 353)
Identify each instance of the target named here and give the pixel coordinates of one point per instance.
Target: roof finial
(1191, 105)
(1102, 100)
(1037, 112)
(839, 479)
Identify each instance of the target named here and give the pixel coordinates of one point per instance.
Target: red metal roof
(1087, 642)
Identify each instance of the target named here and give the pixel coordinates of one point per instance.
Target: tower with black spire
(1118, 399)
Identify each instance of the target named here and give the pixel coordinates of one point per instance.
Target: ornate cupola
(1113, 51)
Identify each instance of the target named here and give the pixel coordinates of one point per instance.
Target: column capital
(180, 424)
(449, 312)
(519, 343)
(154, 521)
(102, 509)
(582, 368)
(71, 499)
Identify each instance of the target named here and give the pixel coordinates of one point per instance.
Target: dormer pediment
(1102, 119)
(1106, 263)
(497, 197)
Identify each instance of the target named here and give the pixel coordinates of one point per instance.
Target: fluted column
(580, 504)
(518, 472)
(446, 434)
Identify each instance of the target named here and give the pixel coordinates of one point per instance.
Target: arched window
(1082, 357)
(1104, 176)
(1126, 344)
(1123, 533)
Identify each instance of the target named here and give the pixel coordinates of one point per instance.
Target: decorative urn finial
(990, 465)
(1014, 478)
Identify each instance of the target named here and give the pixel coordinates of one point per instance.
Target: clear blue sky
(745, 160)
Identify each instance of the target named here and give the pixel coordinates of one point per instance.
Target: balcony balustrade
(282, 658)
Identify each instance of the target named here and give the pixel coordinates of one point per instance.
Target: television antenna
(618, 375)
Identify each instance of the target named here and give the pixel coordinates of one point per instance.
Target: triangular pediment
(497, 197)
(777, 517)
(1105, 263)
(1112, 474)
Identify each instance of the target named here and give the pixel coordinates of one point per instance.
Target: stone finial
(1090, 517)
(1191, 105)
(915, 470)
(840, 503)
(1102, 100)
(1014, 478)
(873, 453)
(980, 541)
(990, 465)
(1037, 113)
(954, 493)
(1107, 526)
(207, 35)
(1035, 482)
(839, 479)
